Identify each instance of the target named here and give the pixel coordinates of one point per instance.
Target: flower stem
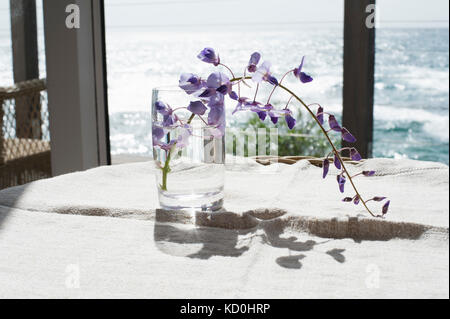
(166, 168)
(332, 145)
(335, 151)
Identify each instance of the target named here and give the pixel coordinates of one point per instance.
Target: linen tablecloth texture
(285, 234)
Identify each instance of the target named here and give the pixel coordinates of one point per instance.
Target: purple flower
(302, 76)
(216, 100)
(337, 162)
(347, 199)
(325, 167)
(216, 115)
(262, 115)
(368, 173)
(167, 146)
(319, 115)
(275, 114)
(233, 95)
(185, 131)
(208, 55)
(356, 200)
(254, 60)
(354, 154)
(341, 182)
(169, 120)
(190, 83)
(334, 125)
(242, 102)
(157, 134)
(347, 136)
(378, 198)
(274, 119)
(386, 207)
(216, 82)
(218, 131)
(290, 121)
(263, 74)
(258, 109)
(162, 108)
(197, 107)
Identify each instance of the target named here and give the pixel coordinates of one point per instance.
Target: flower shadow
(188, 240)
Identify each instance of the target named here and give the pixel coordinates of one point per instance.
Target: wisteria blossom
(208, 104)
(263, 74)
(208, 55)
(302, 76)
(191, 83)
(254, 60)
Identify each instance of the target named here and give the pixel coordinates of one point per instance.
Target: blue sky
(181, 14)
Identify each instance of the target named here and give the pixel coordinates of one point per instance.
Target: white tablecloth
(285, 234)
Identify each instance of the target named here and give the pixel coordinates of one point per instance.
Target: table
(98, 233)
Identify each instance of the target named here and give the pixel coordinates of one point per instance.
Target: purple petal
(257, 77)
(337, 162)
(341, 182)
(216, 115)
(299, 69)
(162, 108)
(319, 115)
(168, 120)
(368, 173)
(273, 118)
(354, 154)
(272, 80)
(190, 83)
(334, 125)
(223, 89)
(347, 199)
(254, 60)
(386, 207)
(262, 115)
(208, 93)
(251, 68)
(301, 64)
(347, 136)
(378, 198)
(167, 146)
(197, 107)
(262, 73)
(290, 121)
(326, 167)
(157, 134)
(233, 95)
(216, 100)
(216, 80)
(208, 55)
(305, 78)
(356, 200)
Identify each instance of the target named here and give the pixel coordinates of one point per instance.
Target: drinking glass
(189, 158)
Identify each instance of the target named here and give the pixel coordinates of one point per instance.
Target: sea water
(411, 79)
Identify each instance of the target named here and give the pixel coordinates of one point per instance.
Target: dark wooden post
(25, 65)
(359, 62)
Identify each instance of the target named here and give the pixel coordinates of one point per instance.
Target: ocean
(411, 79)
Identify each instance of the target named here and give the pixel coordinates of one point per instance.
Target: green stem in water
(166, 168)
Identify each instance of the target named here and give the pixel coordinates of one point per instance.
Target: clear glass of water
(191, 177)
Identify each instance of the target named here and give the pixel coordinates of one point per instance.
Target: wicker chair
(24, 136)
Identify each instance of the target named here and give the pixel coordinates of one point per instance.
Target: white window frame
(76, 83)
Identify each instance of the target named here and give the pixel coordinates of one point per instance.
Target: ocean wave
(436, 125)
